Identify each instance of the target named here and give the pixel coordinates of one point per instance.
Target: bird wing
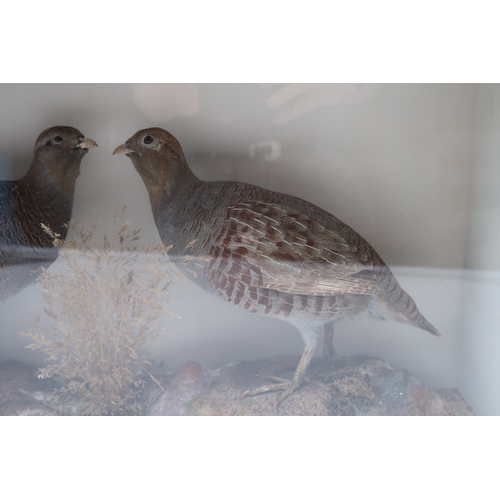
(282, 249)
(19, 261)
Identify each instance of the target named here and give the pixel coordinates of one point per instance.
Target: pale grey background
(413, 168)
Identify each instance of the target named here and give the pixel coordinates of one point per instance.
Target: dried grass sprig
(105, 307)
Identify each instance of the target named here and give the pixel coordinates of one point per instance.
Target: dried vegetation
(104, 308)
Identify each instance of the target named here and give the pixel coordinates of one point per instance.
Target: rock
(186, 383)
(356, 386)
(16, 382)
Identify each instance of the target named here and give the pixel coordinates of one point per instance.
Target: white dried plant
(104, 308)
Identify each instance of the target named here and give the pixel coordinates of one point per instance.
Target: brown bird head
(158, 158)
(57, 156)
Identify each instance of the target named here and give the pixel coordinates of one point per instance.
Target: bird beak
(122, 150)
(87, 143)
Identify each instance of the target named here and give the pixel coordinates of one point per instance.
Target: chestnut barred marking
(268, 252)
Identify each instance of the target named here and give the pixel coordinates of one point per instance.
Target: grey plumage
(267, 252)
(43, 195)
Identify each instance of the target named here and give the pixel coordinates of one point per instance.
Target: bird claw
(279, 379)
(286, 385)
(330, 358)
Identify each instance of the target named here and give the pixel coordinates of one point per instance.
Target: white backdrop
(410, 167)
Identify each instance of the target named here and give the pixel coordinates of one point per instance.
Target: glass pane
(409, 169)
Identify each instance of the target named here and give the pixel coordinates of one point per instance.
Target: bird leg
(288, 386)
(329, 353)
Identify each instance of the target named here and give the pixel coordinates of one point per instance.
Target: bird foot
(288, 386)
(330, 358)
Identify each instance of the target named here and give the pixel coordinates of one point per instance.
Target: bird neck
(53, 175)
(170, 184)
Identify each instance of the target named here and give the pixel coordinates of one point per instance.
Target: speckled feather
(267, 252)
(43, 195)
(279, 255)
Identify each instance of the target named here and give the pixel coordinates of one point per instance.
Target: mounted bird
(43, 196)
(267, 252)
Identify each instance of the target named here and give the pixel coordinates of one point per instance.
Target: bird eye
(58, 138)
(148, 139)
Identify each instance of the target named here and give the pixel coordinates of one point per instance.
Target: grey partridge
(270, 253)
(43, 195)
